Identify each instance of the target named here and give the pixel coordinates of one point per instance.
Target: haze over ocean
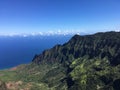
(20, 50)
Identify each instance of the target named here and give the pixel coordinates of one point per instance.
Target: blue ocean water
(21, 50)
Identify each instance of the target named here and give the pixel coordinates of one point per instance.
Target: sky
(28, 16)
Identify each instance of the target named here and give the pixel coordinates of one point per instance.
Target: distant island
(88, 62)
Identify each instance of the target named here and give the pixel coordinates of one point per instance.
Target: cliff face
(101, 45)
(90, 62)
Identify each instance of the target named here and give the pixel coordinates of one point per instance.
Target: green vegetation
(34, 77)
(90, 62)
(94, 74)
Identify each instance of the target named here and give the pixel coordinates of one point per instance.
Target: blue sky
(26, 16)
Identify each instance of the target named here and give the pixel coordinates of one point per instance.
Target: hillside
(90, 62)
(98, 45)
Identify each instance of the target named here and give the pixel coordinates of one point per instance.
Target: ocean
(21, 50)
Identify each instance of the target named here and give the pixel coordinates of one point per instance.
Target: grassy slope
(34, 77)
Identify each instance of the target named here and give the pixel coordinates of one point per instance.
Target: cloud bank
(48, 33)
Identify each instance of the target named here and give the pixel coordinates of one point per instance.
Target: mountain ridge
(86, 45)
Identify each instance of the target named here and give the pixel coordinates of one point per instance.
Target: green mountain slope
(98, 45)
(90, 62)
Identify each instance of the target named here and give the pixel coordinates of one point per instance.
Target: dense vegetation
(90, 62)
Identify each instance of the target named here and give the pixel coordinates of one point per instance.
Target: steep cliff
(99, 45)
(92, 61)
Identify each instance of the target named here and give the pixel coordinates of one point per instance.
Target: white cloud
(48, 33)
(117, 30)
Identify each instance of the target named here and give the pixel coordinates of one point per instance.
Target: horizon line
(44, 33)
(51, 33)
